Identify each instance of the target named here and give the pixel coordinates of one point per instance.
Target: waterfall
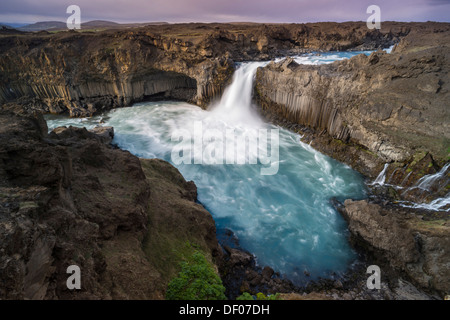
(235, 106)
(425, 185)
(435, 205)
(426, 182)
(405, 179)
(381, 176)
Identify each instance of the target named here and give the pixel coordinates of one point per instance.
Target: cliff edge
(70, 198)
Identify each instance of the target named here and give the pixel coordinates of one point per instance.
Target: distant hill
(94, 24)
(99, 24)
(44, 25)
(12, 25)
(8, 29)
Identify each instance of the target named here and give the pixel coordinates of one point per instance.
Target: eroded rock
(417, 247)
(69, 198)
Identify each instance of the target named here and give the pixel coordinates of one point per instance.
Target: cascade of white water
(425, 184)
(381, 176)
(427, 181)
(235, 106)
(405, 179)
(435, 205)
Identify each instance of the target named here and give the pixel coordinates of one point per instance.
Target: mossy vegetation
(439, 224)
(259, 296)
(418, 156)
(197, 280)
(28, 205)
(175, 241)
(373, 154)
(166, 253)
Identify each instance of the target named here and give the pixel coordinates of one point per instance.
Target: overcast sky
(28, 11)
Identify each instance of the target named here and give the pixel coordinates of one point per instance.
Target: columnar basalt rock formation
(393, 107)
(84, 73)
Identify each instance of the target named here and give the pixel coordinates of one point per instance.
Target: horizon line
(219, 22)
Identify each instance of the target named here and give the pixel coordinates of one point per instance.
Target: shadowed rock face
(392, 107)
(69, 198)
(84, 73)
(84, 80)
(416, 245)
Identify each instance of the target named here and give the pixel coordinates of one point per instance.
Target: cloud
(222, 11)
(439, 2)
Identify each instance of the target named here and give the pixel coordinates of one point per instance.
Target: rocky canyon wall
(85, 72)
(370, 110)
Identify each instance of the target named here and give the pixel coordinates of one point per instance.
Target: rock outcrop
(369, 110)
(417, 245)
(70, 198)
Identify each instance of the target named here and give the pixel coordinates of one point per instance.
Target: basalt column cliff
(87, 72)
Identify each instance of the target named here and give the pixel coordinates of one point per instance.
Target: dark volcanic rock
(416, 246)
(240, 274)
(56, 210)
(69, 198)
(105, 133)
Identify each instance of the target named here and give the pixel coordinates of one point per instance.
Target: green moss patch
(197, 280)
